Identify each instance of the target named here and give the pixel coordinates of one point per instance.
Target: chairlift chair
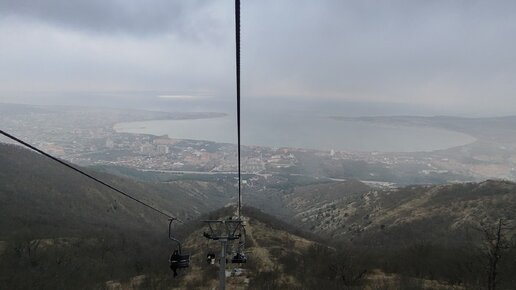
(177, 260)
(210, 258)
(239, 258)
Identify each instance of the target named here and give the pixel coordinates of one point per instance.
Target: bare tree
(496, 243)
(349, 268)
(349, 274)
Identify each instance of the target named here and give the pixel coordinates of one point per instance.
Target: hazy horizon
(265, 105)
(390, 58)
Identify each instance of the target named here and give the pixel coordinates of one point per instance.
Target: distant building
(147, 148)
(253, 165)
(165, 141)
(163, 149)
(177, 164)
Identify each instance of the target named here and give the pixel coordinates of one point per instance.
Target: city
(87, 137)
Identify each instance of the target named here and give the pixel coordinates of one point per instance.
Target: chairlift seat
(239, 258)
(179, 261)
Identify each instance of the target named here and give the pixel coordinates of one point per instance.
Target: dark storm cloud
(114, 16)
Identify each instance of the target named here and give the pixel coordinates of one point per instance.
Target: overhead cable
(87, 175)
(237, 42)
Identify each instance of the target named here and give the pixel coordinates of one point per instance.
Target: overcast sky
(456, 55)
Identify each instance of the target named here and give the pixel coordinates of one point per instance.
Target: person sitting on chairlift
(210, 258)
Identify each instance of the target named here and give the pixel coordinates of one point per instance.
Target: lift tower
(224, 231)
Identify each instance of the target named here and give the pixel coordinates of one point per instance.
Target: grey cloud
(387, 49)
(117, 16)
(411, 51)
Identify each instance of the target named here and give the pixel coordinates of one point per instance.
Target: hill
(438, 213)
(443, 232)
(54, 221)
(60, 231)
(42, 188)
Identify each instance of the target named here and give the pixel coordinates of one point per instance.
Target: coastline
(381, 134)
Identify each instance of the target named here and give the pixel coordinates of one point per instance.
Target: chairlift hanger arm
(227, 229)
(170, 234)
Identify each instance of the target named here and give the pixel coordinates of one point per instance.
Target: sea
(309, 131)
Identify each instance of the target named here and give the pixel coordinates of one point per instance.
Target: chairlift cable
(87, 175)
(237, 42)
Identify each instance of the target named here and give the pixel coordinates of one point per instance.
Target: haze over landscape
(441, 57)
(378, 144)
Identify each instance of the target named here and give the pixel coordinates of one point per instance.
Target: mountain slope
(436, 213)
(57, 223)
(60, 231)
(50, 194)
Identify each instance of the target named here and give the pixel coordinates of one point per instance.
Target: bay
(304, 131)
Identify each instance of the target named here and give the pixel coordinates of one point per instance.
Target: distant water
(304, 131)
